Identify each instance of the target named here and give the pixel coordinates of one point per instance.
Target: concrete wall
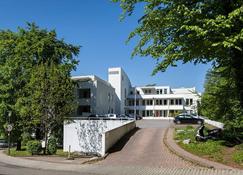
(120, 81)
(86, 135)
(109, 138)
(214, 123)
(105, 99)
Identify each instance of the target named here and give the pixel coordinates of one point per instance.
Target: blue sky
(95, 25)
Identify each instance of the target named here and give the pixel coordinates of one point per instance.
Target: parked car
(112, 116)
(94, 116)
(3, 143)
(188, 118)
(138, 117)
(125, 117)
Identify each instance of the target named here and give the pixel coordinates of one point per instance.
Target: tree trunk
(18, 148)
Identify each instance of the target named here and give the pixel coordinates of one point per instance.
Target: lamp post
(9, 129)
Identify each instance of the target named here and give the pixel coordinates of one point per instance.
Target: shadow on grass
(122, 142)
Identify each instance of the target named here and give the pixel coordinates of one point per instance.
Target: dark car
(3, 143)
(138, 117)
(188, 118)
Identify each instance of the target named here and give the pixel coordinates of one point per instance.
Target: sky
(95, 26)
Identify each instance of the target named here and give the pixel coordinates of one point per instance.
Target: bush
(52, 146)
(34, 147)
(25, 138)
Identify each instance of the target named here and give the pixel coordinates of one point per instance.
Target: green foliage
(212, 149)
(26, 53)
(25, 137)
(238, 157)
(191, 31)
(23, 152)
(220, 101)
(52, 146)
(34, 147)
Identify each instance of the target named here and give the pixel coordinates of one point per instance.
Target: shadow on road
(122, 142)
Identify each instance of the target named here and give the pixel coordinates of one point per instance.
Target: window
(157, 91)
(83, 93)
(161, 91)
(165, 102)
(138, 92)
(180, 102)
(172, 102)
(113, 72)
(143, 102)
(165, 91)
(137, 102)
(143, 113)
(149, 102)
(187, 101)
(131, 92)
(149, 113)
(82, 109)
(176, 102)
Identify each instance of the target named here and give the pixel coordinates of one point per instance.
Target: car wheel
(178, 122)
(199, 122)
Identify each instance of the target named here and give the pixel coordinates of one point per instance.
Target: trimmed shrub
(52, 146)
(34, 147)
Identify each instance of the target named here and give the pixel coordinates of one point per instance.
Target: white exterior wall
(172, 94)
(120, 81)
(86, 135)
(102, 99)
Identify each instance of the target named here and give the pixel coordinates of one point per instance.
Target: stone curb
(95, 159)
(174, 148)
(171, 149)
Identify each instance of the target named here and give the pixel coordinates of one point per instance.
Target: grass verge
(213, 150)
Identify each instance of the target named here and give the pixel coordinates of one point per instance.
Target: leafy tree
(20, 53)
(220, 101)
(197, 31)
(52, 98)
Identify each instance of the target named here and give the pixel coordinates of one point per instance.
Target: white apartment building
(97, 96)
(162, 101)
(94, 96)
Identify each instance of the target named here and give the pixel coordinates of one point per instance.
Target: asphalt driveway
(144, 147)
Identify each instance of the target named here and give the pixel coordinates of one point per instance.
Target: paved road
(145, 148)
(6, 169)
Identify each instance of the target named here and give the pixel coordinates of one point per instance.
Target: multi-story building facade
(162, 101)
(94, 96)
(97, 96)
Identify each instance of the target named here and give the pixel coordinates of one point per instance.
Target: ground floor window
(83, 108)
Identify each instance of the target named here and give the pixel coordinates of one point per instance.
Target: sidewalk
(169, 141)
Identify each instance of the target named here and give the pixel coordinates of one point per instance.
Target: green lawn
(25, 153)
(21, 153)
(214, 150)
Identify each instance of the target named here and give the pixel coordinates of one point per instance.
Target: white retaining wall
(86, 135)
(109, 138)
(214, 123)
